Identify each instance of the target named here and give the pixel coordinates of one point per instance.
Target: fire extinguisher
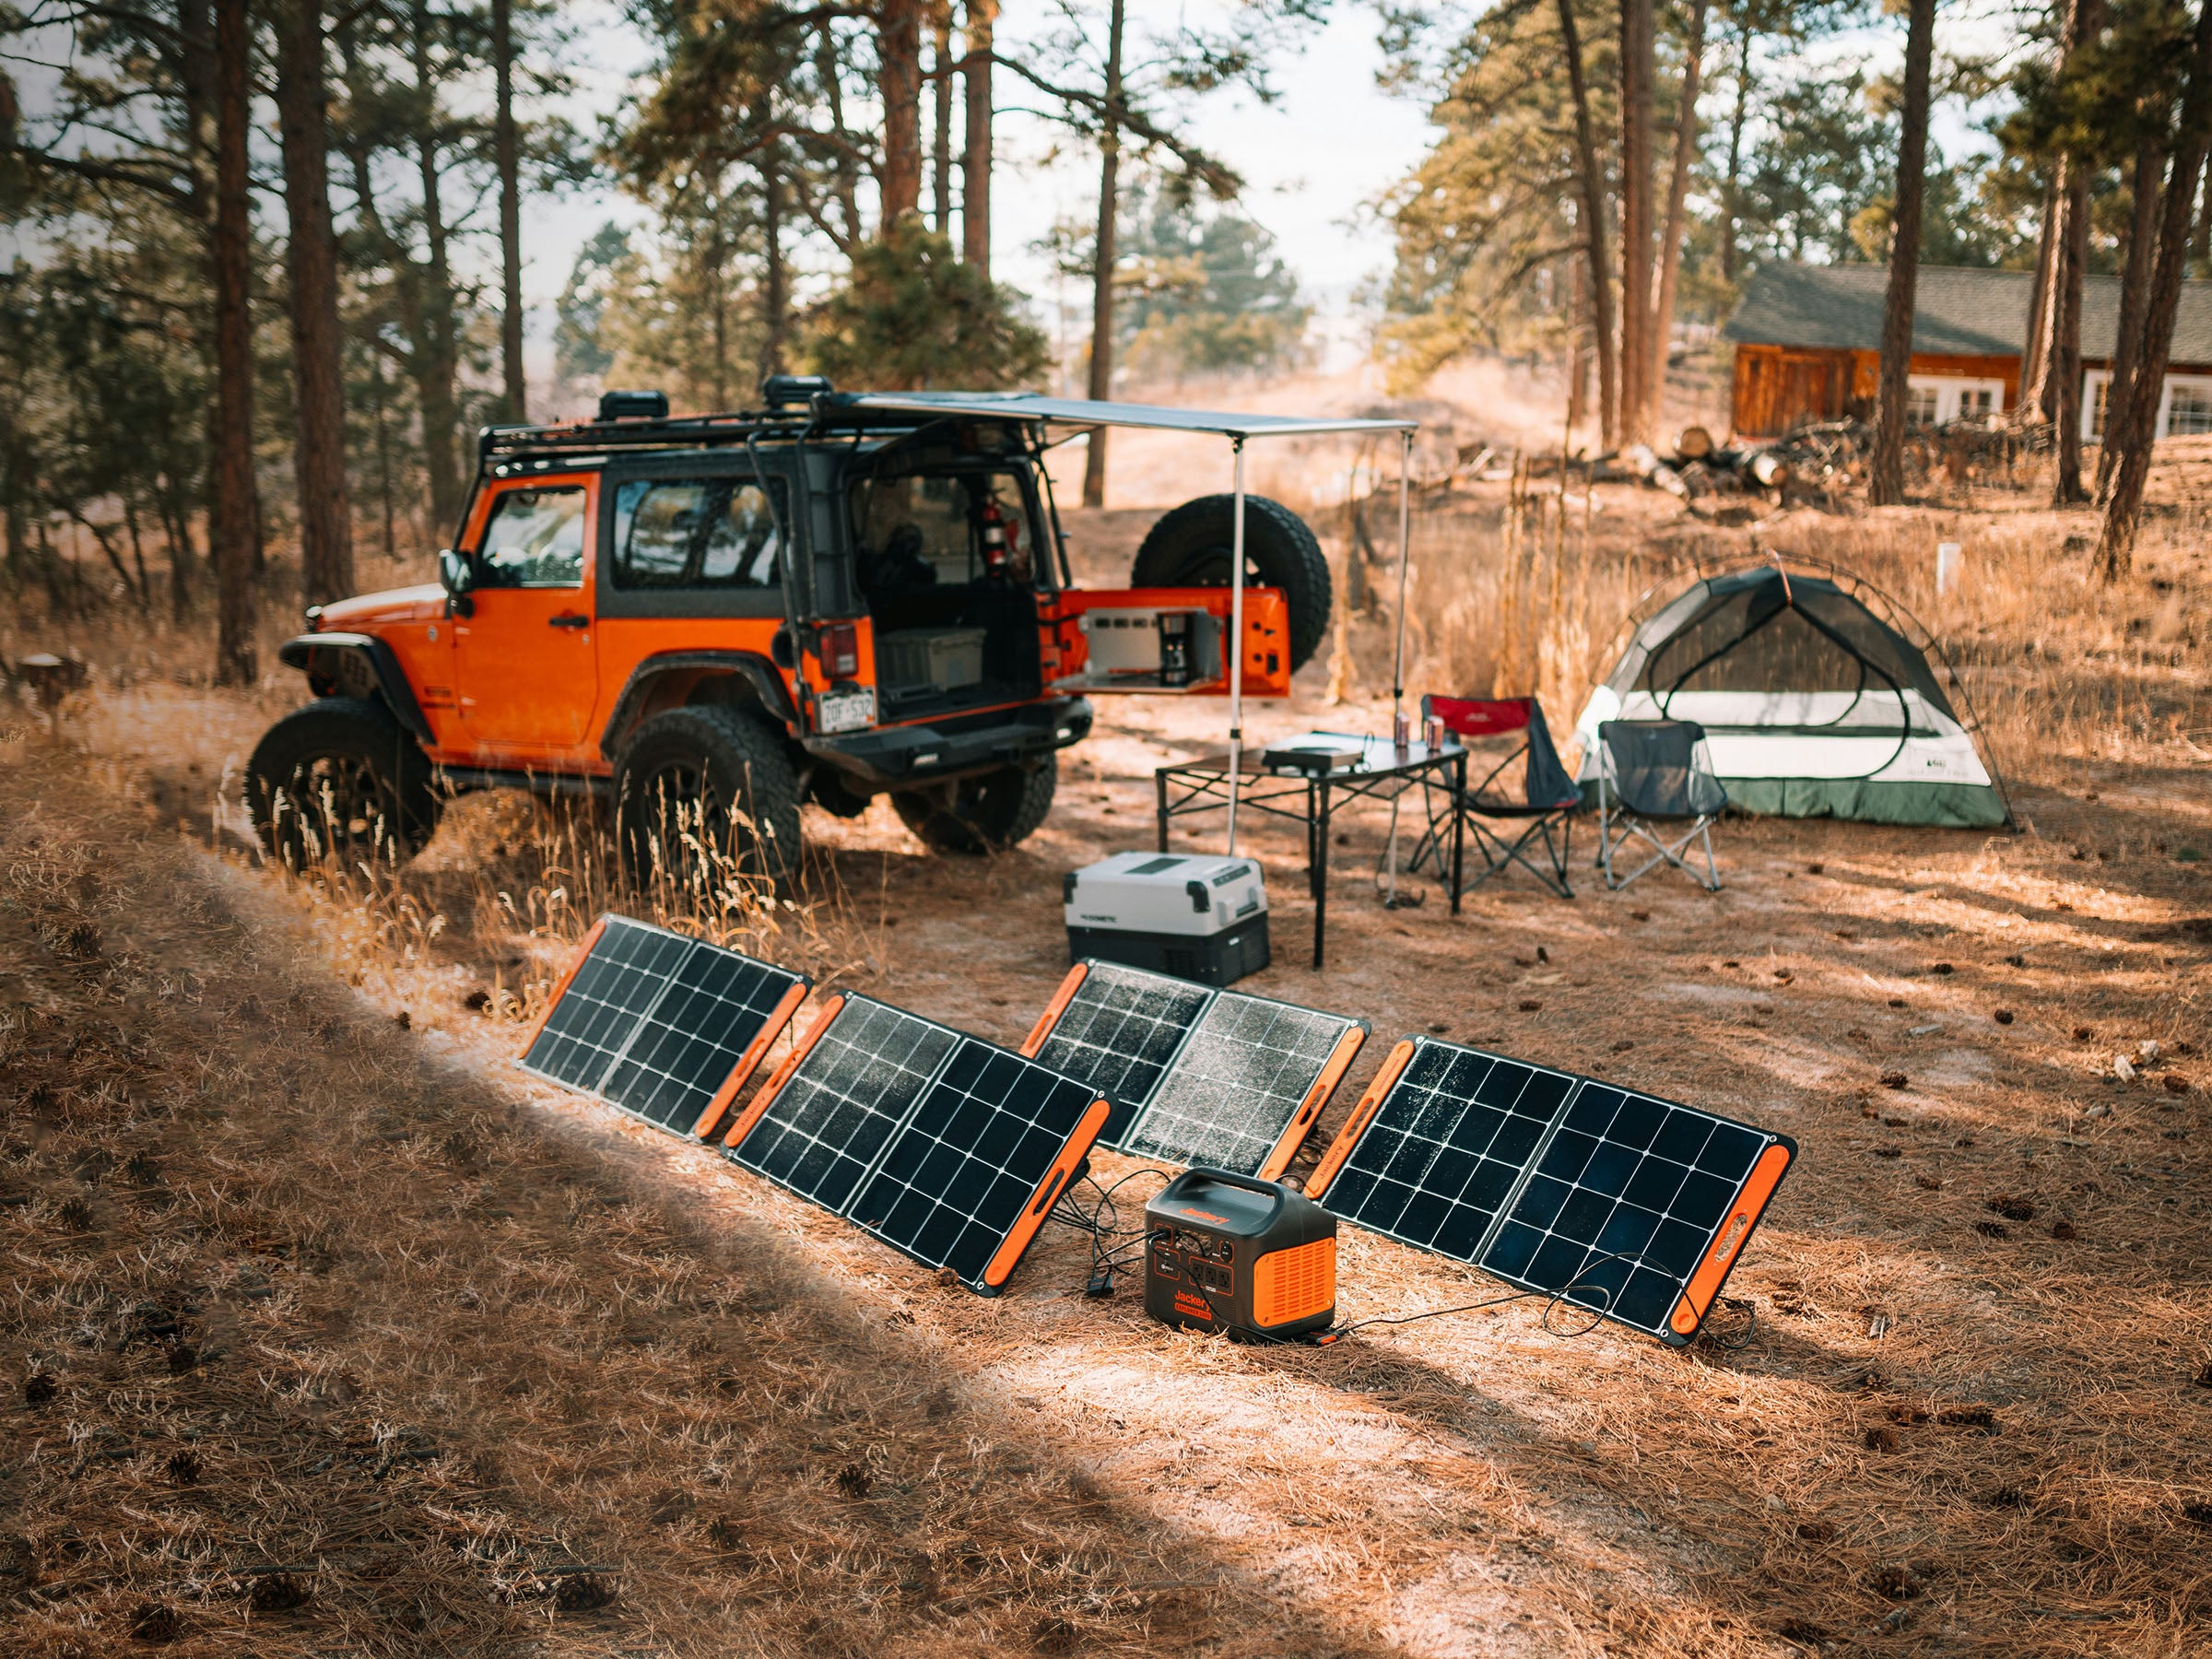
(995, 539)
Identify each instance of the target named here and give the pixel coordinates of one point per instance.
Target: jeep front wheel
(339, 779)
(984, 814)
(704, 792)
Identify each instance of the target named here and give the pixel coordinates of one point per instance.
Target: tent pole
(1236, 642)
(1398, 666)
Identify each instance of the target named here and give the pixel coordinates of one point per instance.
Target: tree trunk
(1732, 194)
(847, 173)
(775, 280)
(2200, 247)
(1887, 471)
(2065, 355)
(1678, 196)
(233, 262)
(318, 375)
(506, 147)
(1101, 283)
(1638, 70)
(899, 45)
(437, 343)
(975, 163)
(940, 157)
(2116, 545)
(1593, 229)
(2032, 369)
(2135, 283)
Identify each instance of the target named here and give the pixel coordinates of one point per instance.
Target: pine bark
(775, 278)
(231, 249)
(2135, 287)
(1887, 481)
(2122, 514)
(940, 157)
(1598, 267)
(1101, 285)
(318, 377)
(898, 47)
(436, 359)
(1638, 49)
(506, 146)
(1677, 199)
(1733, 193)
(975, 162)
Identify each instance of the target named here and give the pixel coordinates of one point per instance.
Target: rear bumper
(900, 757)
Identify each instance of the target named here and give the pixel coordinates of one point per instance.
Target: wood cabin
(1808, 345)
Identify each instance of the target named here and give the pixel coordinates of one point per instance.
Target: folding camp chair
(1501, 831)
(1652, 772)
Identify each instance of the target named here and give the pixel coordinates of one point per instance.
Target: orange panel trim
(749, 1061)
(1063, 1169)
(1053, 1010)
(1705, 1284)
(1363, 1114)
(1301, 1123)
(560, 988)
(782, 1074)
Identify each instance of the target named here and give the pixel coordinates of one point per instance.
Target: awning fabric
(1086, 412)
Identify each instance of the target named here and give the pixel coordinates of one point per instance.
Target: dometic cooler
(1198, 918)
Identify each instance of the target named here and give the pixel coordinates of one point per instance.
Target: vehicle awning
(1082, 412)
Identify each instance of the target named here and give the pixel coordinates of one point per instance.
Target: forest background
(261, 261)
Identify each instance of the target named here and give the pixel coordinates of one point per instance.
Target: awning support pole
(1397, 668)
(1236, 642)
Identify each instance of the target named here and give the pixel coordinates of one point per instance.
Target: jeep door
(525, 660)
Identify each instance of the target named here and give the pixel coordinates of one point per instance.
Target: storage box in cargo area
(944, 659)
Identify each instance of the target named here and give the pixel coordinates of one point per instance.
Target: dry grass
(461, 1341)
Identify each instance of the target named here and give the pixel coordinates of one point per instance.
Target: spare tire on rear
(1190, 548)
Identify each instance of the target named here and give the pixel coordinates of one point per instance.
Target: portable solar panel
(1632, 1206)
(666, 1027)
(946, 1147)
(1197, 1075)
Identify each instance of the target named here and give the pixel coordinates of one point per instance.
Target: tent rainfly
(1813, 706)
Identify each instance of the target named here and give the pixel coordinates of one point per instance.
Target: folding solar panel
(946, 1147)
(1197, 1075)
(1631, 1206)
(666, 1027)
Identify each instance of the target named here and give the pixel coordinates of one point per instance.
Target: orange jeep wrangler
(708, 619)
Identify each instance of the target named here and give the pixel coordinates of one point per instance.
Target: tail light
(839, 647)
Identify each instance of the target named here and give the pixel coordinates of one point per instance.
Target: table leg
(1320, 874)
(1159, 786)
(1459, 827)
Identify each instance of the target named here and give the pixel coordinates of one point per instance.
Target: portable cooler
(1236, 1253)
(1197, 917)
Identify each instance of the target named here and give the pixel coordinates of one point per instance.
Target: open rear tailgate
(1168, 642)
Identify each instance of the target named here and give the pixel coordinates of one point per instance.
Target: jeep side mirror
(456, 575)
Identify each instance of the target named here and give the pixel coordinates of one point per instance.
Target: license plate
(845, 711)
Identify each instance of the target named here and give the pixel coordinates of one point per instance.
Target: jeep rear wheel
(987, 813)
(1189, 547)
(339, 779)
(706, 794)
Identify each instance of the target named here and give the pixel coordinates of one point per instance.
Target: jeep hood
(425, 603)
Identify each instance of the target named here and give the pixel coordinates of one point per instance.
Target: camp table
(1377, 770)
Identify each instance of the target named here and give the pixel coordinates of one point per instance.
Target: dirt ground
(328, 1331)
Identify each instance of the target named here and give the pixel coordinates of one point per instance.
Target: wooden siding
(1782, 387)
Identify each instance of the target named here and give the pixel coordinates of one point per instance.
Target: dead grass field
(327, 1331)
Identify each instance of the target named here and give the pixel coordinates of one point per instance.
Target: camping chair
(1501, 831)
(1654, 772)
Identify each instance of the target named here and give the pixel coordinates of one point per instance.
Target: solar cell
(1196, 1076)
(1633, 1206)
(946, 1147)
(664, 1026)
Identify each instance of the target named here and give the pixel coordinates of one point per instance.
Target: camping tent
(1813, 705)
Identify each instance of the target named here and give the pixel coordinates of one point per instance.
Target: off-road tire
(987, 813)
(1189, 547)
(340, 779)
(738, 768)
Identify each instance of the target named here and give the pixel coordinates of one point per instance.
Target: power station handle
(1250, 1183)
